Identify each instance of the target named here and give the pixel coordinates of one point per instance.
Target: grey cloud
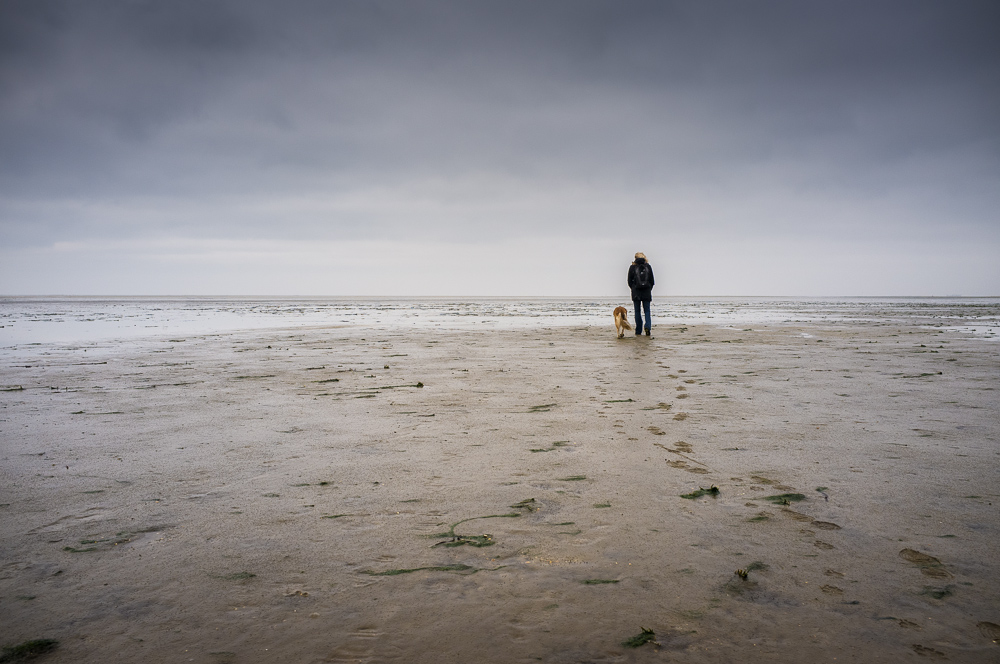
(160, 106)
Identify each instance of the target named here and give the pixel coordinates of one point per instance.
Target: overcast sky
(499, 148)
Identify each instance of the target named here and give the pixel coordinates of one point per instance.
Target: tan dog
(621, 321)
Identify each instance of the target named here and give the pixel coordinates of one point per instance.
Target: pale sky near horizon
(369, 147)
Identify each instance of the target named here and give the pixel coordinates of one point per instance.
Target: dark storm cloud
(204, 111)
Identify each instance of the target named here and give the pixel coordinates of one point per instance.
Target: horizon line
(495, 297)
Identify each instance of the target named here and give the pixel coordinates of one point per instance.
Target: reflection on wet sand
(400, 495)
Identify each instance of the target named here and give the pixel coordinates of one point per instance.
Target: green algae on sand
(744, 573)
(478, 541)
(435, 568)
(460, 568)
(640, 639)
(556, 445)
(711, 491)
(28, 650)
(784, 498)
(528, 505)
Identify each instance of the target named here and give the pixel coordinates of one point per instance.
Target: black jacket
(640, 294)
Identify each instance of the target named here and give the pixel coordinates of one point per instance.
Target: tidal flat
(354, 494)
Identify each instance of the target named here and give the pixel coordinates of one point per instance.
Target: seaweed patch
(784, 498)
(478, 541)
(460, 568)
(28, 650)
(640, 639)
(556, 445)
(711, 491)
(528, 505)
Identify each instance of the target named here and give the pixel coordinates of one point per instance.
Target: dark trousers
(638, 315)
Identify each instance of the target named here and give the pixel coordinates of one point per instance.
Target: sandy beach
(350, 494)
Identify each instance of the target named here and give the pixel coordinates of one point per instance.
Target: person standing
(640, 280)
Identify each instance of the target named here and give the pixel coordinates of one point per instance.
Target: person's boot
(647, 331)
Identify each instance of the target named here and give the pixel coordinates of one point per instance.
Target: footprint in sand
(826, 546)
(680, 417)
(682, 465)
(825, 525)
(359, 645)
(832, 590)
(924, 651)
(656, 431)
(929, 565)
(681, 446)
(798, 516)
(990, 630)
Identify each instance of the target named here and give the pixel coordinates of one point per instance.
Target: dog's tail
(625, 323)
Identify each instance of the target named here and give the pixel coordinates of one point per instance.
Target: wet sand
(358, 495)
